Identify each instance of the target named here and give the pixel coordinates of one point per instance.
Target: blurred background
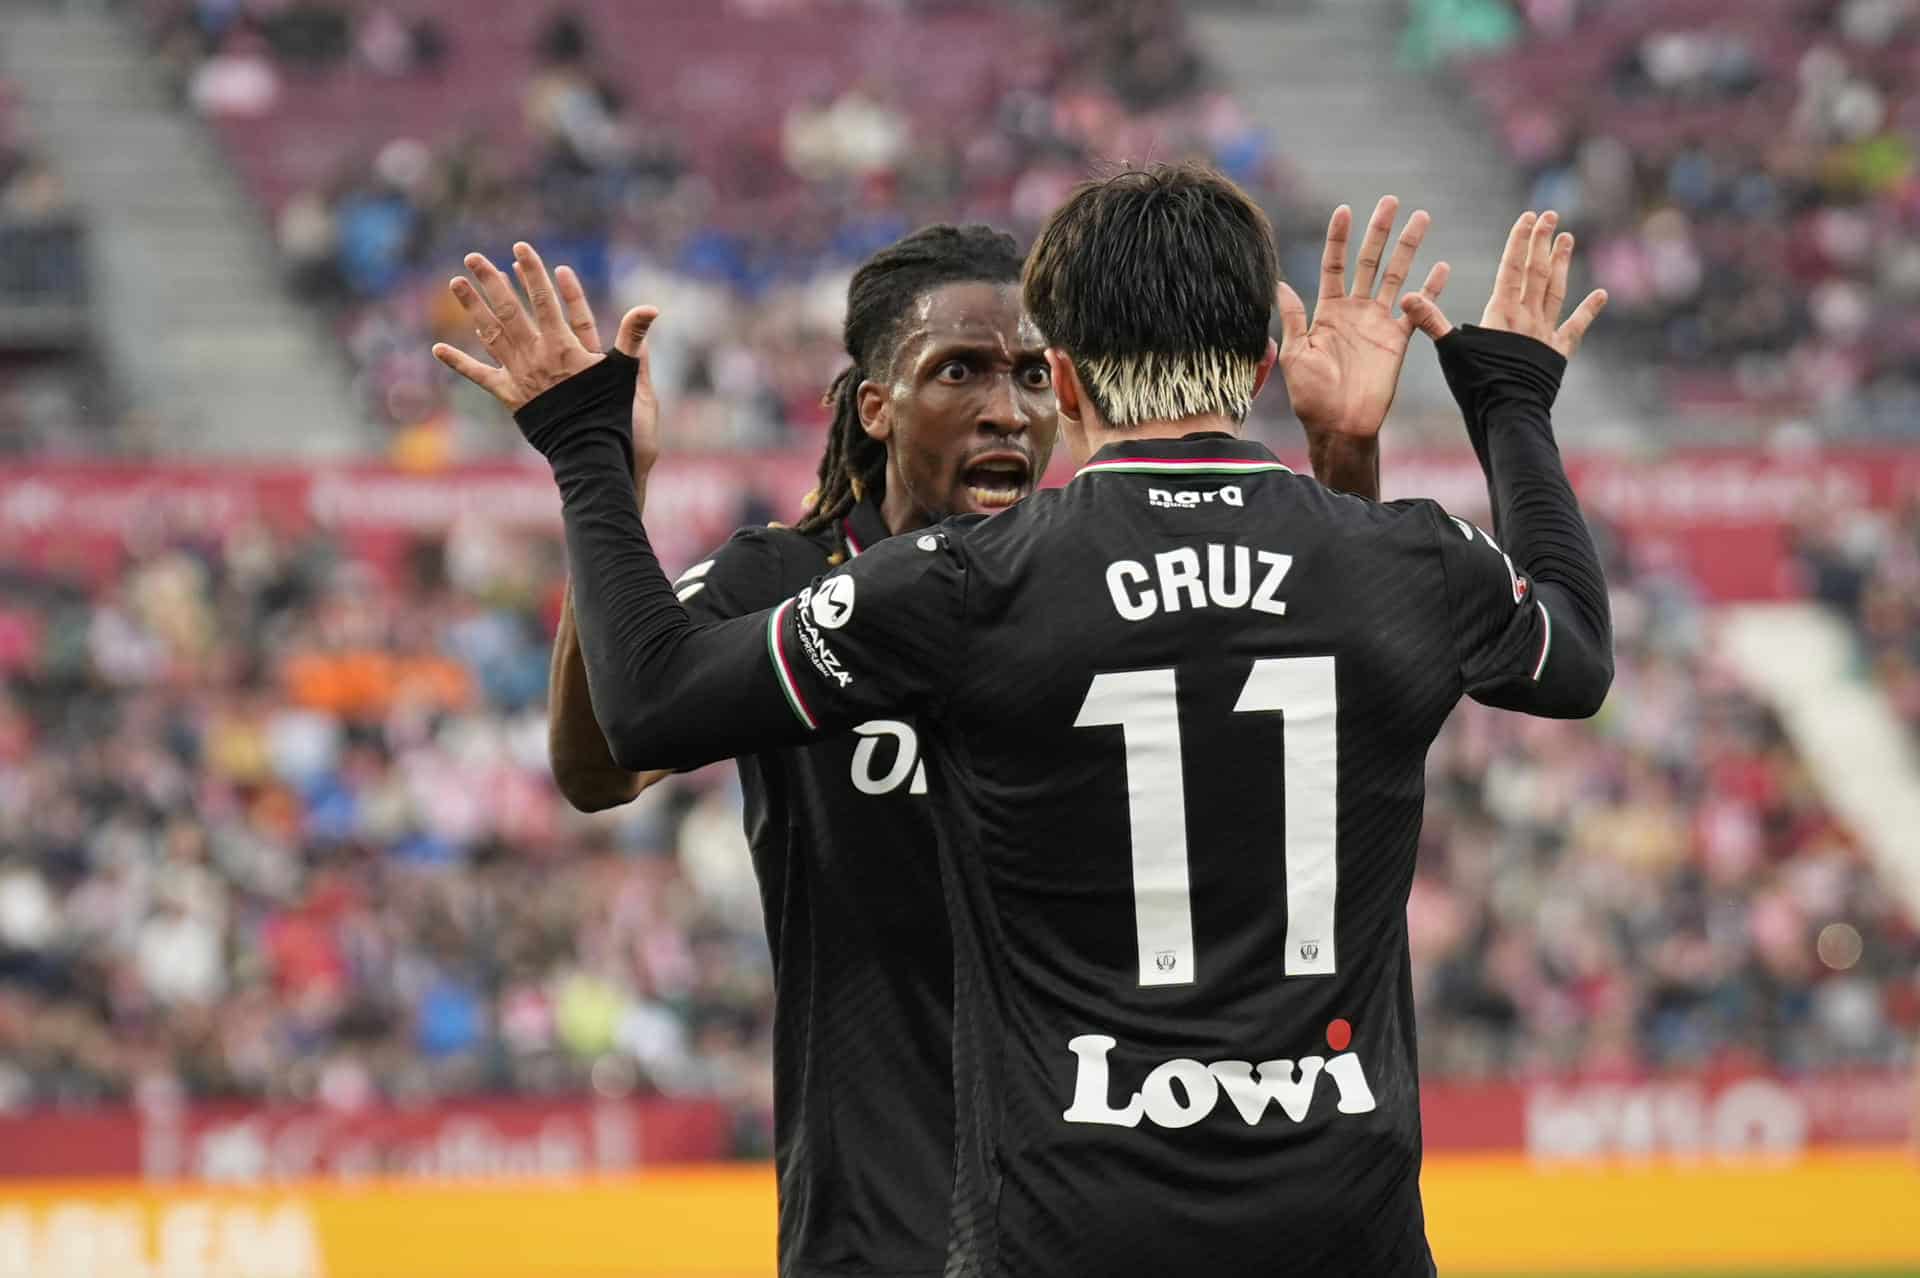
(289, 905)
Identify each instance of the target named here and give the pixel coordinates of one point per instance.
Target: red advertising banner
(479, 1139)
(1731, 1116)
(1724, 516)
(1683, 1117)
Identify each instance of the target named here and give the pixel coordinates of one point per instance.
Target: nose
(1003, 413)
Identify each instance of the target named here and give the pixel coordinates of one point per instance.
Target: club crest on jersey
(1194, 498)
(1165, 960)
(832, 605)
(824, 659)
(1252, 1090)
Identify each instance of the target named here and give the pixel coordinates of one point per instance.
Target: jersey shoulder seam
(1436, 518)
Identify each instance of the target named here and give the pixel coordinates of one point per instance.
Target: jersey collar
(1207, 453)
(863, 527)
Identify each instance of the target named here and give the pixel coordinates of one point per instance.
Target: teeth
(994, 496)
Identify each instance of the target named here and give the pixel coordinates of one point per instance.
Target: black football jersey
(842, 845)
(1174, 717)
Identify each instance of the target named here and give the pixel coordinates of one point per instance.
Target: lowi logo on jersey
(1194, 498)
(1179, 1093)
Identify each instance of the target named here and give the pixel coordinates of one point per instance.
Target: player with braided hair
(946, 408)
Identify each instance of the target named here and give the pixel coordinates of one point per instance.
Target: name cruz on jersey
(1179, 579)
(1252, 1089)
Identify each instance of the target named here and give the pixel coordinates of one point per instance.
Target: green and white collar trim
(1181, 466)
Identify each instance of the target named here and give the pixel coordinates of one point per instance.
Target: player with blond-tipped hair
(1175, 717)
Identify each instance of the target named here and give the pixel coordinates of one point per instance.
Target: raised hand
(1343, 369)
(545, 340)
(630, 340)
(1529, 290)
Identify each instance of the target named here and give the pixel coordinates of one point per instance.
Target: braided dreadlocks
(883, 291)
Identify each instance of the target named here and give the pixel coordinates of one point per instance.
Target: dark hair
(879, 298)
(1159, 284)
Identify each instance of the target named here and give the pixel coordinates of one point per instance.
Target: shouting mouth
(996, 480)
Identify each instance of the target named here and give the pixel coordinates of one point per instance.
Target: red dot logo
(1339, 1034)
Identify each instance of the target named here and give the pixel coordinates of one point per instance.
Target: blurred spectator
(1868, 569)
(1748, 191)
(275, 820)
(742, 229)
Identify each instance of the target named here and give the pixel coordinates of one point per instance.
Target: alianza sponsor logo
(824, 659)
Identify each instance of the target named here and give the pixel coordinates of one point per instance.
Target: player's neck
(1099, 434)
(901, 512)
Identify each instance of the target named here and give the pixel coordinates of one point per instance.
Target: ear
(876, 410)
(1265, 369)
(1066, 383)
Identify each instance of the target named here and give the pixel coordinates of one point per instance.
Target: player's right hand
(534, 343)
(1529, 290)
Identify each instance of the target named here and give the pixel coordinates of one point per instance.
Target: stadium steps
(1322, 76)
(1805, 661)
(213, 354)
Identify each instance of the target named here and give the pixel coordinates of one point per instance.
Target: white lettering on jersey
(1119, 574)
(824, 659)
(1194, 498)
(1225, 581)
(1180, 573)
(1252, 1089)
(1514, 578)
(906, 758)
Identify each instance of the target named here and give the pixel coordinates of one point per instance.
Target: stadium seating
(1868, 568)
(43, 323)
(275, 819)
(616, 137)
(278, 823)
(1744, 180)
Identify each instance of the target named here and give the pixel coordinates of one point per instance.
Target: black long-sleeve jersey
(1175, 716)
(843, 850)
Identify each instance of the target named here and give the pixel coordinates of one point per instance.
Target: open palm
(1343, 369)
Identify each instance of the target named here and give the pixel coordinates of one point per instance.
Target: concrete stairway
(196, 325)
(1804, 659)
(1321, 75)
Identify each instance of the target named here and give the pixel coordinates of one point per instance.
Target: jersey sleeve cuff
(600, 396)
(1484, 364)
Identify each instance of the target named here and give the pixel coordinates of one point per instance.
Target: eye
(954, 371)
(1036, 377)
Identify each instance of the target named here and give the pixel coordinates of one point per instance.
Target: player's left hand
(1529, 290)
(534, 343)
(1342, 370)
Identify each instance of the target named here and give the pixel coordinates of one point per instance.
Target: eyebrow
(941, 349)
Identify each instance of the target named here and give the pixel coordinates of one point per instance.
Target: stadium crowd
(275, 820)
(1868, 568)
(43, 384)
(1744, 179)
(743, 230)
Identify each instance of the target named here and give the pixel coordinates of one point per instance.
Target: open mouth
(997, 480)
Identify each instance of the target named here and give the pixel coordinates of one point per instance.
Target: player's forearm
(667, 694)
(1346, 463)
(1506, 386)
(583, 766)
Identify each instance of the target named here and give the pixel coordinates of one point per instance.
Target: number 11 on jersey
(1144, 704)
